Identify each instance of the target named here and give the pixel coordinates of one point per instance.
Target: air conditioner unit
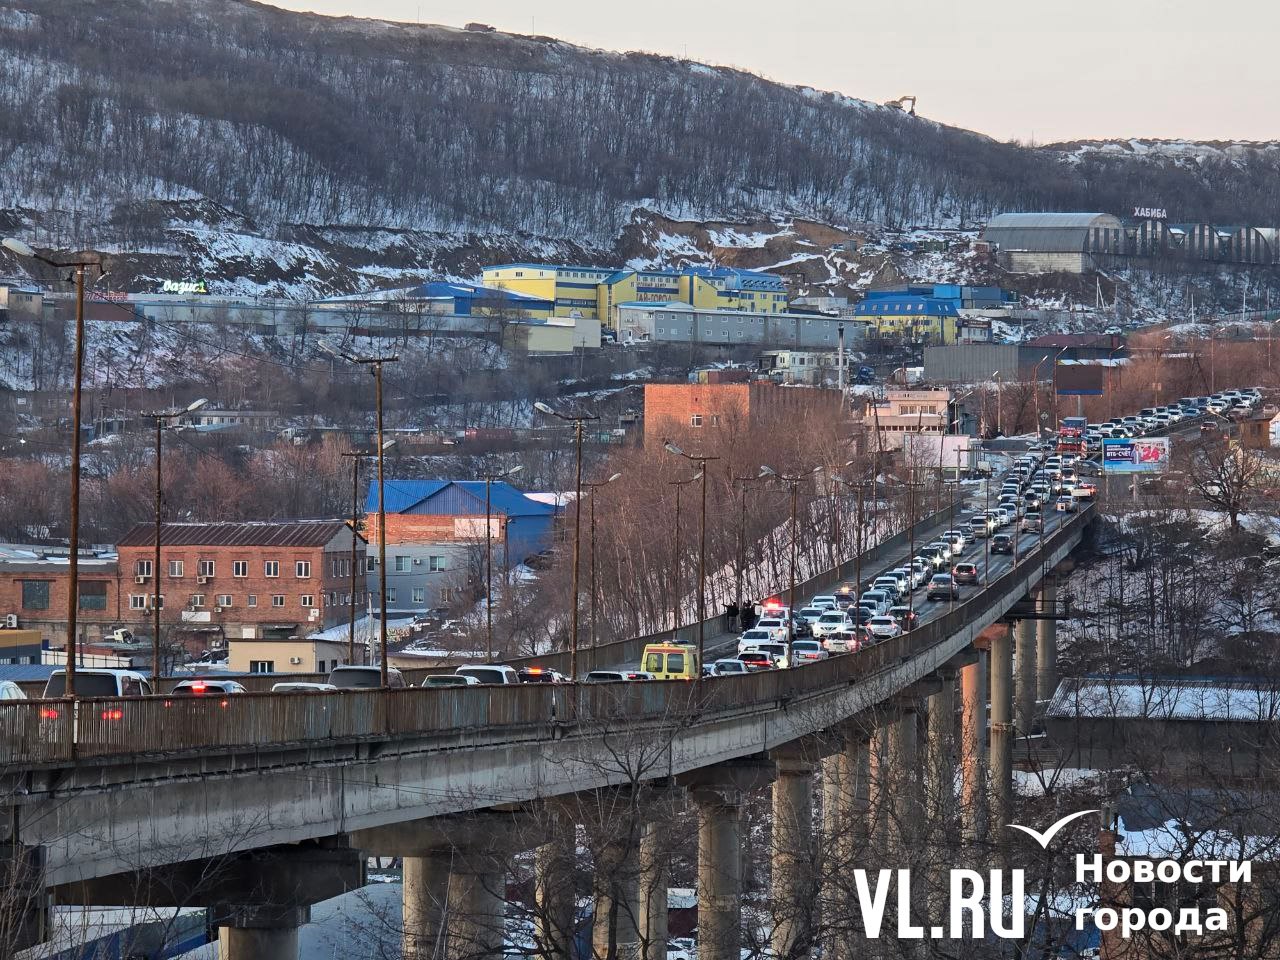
(217, 609)
(202, 579)
(315, 613)
(140, 578)
(417, 561)
(295, 660)
(11, 622)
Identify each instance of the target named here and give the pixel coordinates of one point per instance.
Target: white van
(99, 683)
(489, 673)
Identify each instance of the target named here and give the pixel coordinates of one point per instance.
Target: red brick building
(679, 409)
(34, 589)
(262, 579)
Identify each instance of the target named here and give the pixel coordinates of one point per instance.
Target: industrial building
(910, 317)
(676, 322)
(1010, 362)
(597, 292)
(676, 410)
(1053, 242)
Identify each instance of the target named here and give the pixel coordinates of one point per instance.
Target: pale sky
(1013, 69)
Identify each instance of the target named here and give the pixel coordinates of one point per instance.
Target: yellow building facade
(596, 292)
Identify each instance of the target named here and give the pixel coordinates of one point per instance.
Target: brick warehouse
(266, 579)
(678, 409)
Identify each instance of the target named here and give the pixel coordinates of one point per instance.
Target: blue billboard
(1135, 455)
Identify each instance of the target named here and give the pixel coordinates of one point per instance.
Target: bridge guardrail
(60, 731)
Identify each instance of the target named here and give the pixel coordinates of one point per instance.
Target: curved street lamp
(702, 462)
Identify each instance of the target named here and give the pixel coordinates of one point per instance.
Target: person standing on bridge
(730, 616)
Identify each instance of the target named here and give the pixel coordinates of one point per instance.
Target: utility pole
(488, 554)
(702, 462)
(794, 482)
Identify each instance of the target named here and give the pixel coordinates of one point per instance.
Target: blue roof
(27, 671)
(896, 304)
(549, 266)
(403, 495)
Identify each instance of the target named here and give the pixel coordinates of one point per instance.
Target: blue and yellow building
(910, 317)
(596, 292)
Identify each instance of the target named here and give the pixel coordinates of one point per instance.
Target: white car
(827, 598)
(754, 636)
(811, 614)
(776, 626)
(883, 628)
(831, 622)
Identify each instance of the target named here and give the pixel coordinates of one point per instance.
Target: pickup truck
(1084, 490)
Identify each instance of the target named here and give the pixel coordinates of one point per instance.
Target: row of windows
(269, 666)
(35, 594)
(142, 601)
(706, 336)
(696, 420)
(239, 568)
(419, 595)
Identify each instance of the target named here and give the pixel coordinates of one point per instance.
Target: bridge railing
(60, 731)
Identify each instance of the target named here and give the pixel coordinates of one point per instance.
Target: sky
(1023, 70)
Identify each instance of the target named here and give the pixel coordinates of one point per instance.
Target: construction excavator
(901, 102)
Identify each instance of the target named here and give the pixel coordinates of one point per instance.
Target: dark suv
(1002, 543)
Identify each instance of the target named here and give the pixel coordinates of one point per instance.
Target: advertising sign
(1135, 455)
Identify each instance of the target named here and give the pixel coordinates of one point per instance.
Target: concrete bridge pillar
(794, 883)
(1047, 642)
(973, 747)
(253, 934)
(654, 876)
(719, 873)
(940, 753)
(879, 786)
(616, 929)
(1001, 750)
(1026, 683)
(425, 895)
(845, 803)
(903, 769)
(554, 901)
(475, 918)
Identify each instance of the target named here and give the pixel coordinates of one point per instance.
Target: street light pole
(375, 365)
(355, 537)
(73, 539)
(577, 420)
(1035, 391)
(591, 514)
(739, 600)
(794, 482)
(702, 462)
(675, 554)
(488, 554)
(160, 417)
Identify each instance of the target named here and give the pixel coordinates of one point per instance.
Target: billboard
(1135, 455)
(1080, 379)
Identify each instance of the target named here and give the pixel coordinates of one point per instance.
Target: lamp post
(488, 555)
(591, 513)
(702, 462)
(1053, 397)
(742, 540)
(577, 419)
(1111, 378)
(375, 366)
(161, 418)
(356, 457)
(1035, 390)
(22, 249)
(999, 405)
(860, 486)
(794, 483)
(675, 556)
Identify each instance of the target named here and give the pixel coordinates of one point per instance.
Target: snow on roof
(1132, 698)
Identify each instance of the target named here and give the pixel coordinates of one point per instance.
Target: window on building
(224, 599)
(93, 595)
(435, 564)
(715, 419)
(446, 595)
(142, 568)
(206, 568)
(307, 600)
(302, 569)
(137, 601)
(253, 600)
(370, 564)
(239, 568)
(391, 594)
(271, 568)
(403, 565)
(35, 594)
(695, 420)
(419, 594)
(277, 600)
(175, 569)
(262, 666)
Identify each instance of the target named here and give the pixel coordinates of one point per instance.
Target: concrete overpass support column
(1026, 683)
(252, 934)
(1001, 735)
(719, 873)
(845, 831)
(903, 769)
(615, 930)
(879, 788)
(553, 865)
(794, 883)
(425, 895)
(973, 747)
(654, 863)
(1047, 642)
(941, 756)
(475, 918)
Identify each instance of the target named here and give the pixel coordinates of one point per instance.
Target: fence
(60, 731)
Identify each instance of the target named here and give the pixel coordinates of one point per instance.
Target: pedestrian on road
(730, 617)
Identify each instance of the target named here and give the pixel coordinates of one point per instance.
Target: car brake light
(48, 713)
(198, 688)
(534, 670)
(114, 714)
(223, 703)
